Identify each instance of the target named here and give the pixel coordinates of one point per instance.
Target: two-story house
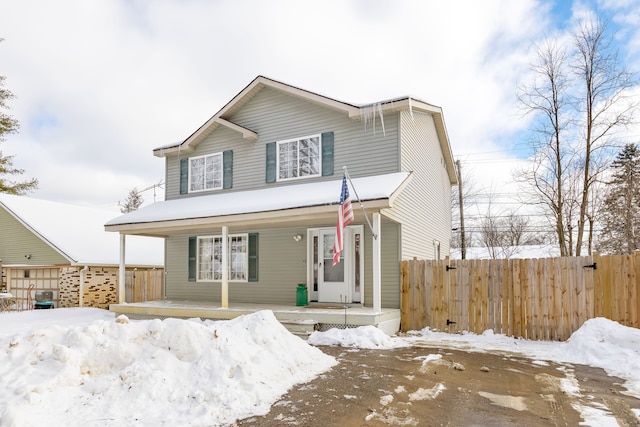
(252, 201)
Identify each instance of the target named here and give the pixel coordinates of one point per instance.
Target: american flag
(345, 217)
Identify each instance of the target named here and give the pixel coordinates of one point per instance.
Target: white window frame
(217, 174)
(281, 144)
(235, 259)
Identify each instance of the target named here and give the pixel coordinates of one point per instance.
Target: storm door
(340, 283)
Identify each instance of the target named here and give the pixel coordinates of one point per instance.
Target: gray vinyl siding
(282, 265)
(17, 241)
(276, 116)
(389, 265)
(424, 206)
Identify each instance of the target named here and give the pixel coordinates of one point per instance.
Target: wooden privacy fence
(144, 285)
(539, 299)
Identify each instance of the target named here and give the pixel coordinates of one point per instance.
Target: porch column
(225, 267)
(122, 269)
(377, 289)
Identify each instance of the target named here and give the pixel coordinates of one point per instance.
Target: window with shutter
(300, 158)
(205, 258)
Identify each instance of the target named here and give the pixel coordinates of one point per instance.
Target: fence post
(589, 281)
(406, 322)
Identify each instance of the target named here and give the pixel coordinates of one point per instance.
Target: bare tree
(502, 232)
(578, 99)
(604, 106)
(546, 97)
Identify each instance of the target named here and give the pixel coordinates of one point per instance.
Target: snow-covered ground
(84, 367)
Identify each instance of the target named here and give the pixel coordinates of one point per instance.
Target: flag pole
(346, 172)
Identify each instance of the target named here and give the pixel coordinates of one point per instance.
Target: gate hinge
(594, 266)
(450, 268)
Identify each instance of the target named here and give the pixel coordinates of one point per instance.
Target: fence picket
(517, 298)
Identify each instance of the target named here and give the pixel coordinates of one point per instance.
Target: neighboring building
(49, 246)
(264, 174)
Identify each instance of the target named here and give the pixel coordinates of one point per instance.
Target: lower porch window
(210, 258)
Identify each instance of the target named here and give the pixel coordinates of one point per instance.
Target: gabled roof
(356, 112)
(289, 205)
(77, 233)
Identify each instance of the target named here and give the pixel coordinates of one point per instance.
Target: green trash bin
(301, 295)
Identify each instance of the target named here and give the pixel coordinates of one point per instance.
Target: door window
(332, 273)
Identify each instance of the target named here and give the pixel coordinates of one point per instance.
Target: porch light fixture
(297, 237)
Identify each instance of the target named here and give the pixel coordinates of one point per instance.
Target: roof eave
(267, 219)
(222, 116)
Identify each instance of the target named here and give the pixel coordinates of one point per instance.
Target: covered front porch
(301, 320)
(284, 236)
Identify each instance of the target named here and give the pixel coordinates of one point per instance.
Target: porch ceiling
(301, 205)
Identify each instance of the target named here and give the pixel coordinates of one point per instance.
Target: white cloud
(102, 83)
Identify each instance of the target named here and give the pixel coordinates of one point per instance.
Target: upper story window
(205, 172)
(299, 158)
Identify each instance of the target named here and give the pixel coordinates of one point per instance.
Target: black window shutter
(184, 176)
(327, 153)
(253, 257)
(271, 162)
(227, 169)
(193, 248)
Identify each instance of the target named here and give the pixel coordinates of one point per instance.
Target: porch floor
(295, 318)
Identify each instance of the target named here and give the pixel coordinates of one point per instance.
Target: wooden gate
(144, 285)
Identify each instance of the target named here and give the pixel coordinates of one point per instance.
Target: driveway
(442, 387)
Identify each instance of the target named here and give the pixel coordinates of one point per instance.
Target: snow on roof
(265, 200)
(77, 232)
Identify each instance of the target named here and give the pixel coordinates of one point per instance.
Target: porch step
(301, 328)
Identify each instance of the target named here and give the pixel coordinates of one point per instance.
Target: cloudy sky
(100, 84)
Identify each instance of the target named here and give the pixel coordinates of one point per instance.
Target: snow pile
(605, 343)
(172, 372)
(367, 337)
(78, 367)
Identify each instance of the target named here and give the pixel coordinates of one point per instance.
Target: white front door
(333, 283)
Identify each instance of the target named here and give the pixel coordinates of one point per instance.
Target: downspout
(81, 287)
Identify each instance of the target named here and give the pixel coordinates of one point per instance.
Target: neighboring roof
(283, 204)
(77, 233)
(356, 112)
